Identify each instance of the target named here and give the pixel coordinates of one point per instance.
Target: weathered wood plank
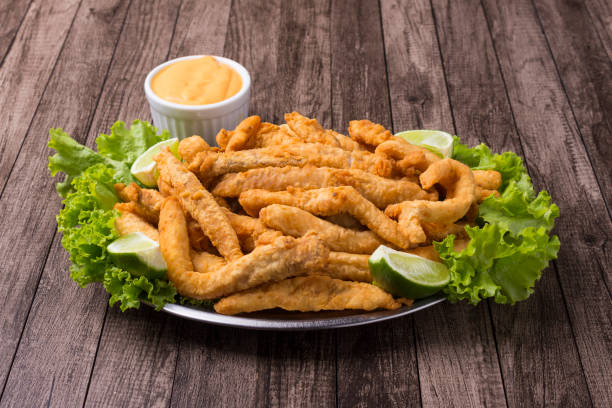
(452, 341)
(527, 348)
(220, 367)
(26, 70)
(11, 17)
(30, 226)
(137, 350)
(541, 108)
(59, 342)
(135, 361)
(600, 12)
(289, 63)
(376, 365)
(585, 71)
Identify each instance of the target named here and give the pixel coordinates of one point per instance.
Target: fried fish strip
(430, 252)
(190, 146)
(308, 294)
(208, 165)
(297, 223)
(284, 258)
(437, 232)
(482, 193)
(241, 136)
(200, 204)
(487, 179)
(129, 222)
(270, 134)
(400, 149)
(311, 131)
(379, 190)
(251, 231)
(369, 133)
(457, 179)
(204, 262)
(346, 266)
(329, 201)
(144, 202)
(174, 239)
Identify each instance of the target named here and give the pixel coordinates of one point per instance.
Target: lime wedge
(144, 167)
(407, 275)
(139, 255)
(437, 141)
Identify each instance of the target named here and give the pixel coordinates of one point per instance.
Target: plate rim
(263, 324)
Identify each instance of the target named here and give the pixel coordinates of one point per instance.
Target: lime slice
(144, 166)
(139, 255)
(437, 141)
(407, 275)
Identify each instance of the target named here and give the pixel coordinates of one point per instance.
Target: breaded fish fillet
(399, 149)
(174, 239)
(311, 131)
(487, 179)
(297, 223)
(251, 231)
(146, 202)
(208, 165)
(284, 258)
(329, 201)
(190, 146)
(129, 222)
(270, 134)
(240, 137)
(379, 190)
(200, 204)
(368, 133)
(349, 267)
(457, 179)
(308, 294)
(203, 262)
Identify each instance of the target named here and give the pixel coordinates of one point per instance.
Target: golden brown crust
(308, 294)
(200, 204)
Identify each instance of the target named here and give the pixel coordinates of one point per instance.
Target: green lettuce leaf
(495, 264)
(117, 150)
(125, 145)
(87, 219)
(512, 244)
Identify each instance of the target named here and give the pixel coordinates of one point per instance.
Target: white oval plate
(297, 321)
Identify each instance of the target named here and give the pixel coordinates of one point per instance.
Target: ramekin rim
(241, 70)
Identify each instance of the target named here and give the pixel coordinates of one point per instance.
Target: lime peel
(438, 142)
(407, 275)
(139, 255)
(144, 169)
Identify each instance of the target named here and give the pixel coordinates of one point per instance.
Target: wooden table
(529, 76)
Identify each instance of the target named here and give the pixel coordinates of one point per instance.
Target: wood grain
(530, 334)
(279, 369)
(220, 367)
(11, 17)
(30, 226)
(140, 371)
(423, 103)
(135, 361)
(25, 72)
(600, 12)
(559, 163)
(585, 71)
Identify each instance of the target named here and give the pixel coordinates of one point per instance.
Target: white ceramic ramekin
(205, 120)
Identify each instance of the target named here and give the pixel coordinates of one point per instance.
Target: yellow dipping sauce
(198, 81)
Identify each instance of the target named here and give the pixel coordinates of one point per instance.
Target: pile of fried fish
(286, 216)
